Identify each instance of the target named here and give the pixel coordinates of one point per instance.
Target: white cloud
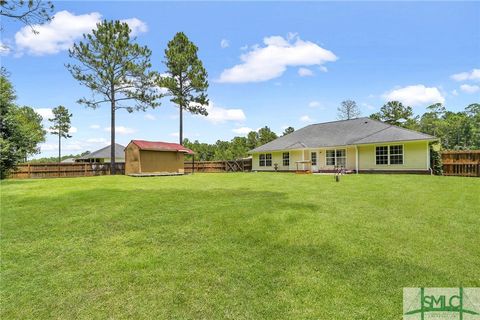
(97, 140)
(149, 116)
(306, 119)
(219, 114)
(175, 134)
(469, 88)
(314, 104)
(454, 92)
(224, 43)
(243, 130)
(46, 113)
(94, 126)
(323, 69)
(136, 25)
(469, 75)
(415, 95)
(56, 35)
(60, 33)
(121, 130)
(48, 147)
(73, 130)
(271, 60)
(305, 72)
(4, 49)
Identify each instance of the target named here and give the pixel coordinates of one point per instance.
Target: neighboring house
(361, 145)
(154, 157)
(103, 155)
(68, 160)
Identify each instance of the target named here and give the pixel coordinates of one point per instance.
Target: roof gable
(105, 153)
(342, 133)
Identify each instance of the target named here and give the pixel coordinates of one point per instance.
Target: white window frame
(287, 159)
(260, 160)
(335, 157)
(316, 157)
(266, 159)
(388, 154)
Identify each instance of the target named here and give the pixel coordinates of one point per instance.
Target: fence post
(29, 172)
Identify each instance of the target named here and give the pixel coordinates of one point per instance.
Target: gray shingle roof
(105, 153)
(342, 133)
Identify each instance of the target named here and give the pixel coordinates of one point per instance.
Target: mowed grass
(233, 246)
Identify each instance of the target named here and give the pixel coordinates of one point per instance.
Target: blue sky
(269, 63)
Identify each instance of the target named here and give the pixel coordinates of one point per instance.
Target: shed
(143, 157)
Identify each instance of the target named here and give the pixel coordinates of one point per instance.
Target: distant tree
(395, 113)
(265, 135)
(186, 79)
(252, 140)
(28, 12)
(117, 69)
(61, 126)
(20, 128)
(431, 121)
(348, 109)
(473, 111)
(288, 131)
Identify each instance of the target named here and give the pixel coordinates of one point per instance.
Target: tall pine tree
(185, 79)
(115, 68)
(61, 126)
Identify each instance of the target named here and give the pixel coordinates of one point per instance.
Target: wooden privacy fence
(243, 165)
(79, 169)
(57, 170)
(461, 163)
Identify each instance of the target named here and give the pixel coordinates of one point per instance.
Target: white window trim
(283, 165)
(316, 158)
(271, 160)
(388, 154)
(329, 165)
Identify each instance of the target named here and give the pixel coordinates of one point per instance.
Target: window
(314, 158)
(286, 159)
(337, 157)
(381, 155)
(341, 157)
(261, 160)
(389, 155)
(396, 154)
(330, 156)
(268, 160)
(265, 160)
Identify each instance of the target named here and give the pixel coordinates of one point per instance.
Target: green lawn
(233, 246)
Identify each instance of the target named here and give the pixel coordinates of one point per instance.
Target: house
(154, 157)
(360, 145)
(103, 155)
(68, 160)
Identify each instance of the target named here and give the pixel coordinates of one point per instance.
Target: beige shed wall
(161, 161)
(132, 159)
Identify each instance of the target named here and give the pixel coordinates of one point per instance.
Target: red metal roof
(161, 146)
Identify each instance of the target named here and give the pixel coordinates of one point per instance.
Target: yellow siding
(415, 157)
